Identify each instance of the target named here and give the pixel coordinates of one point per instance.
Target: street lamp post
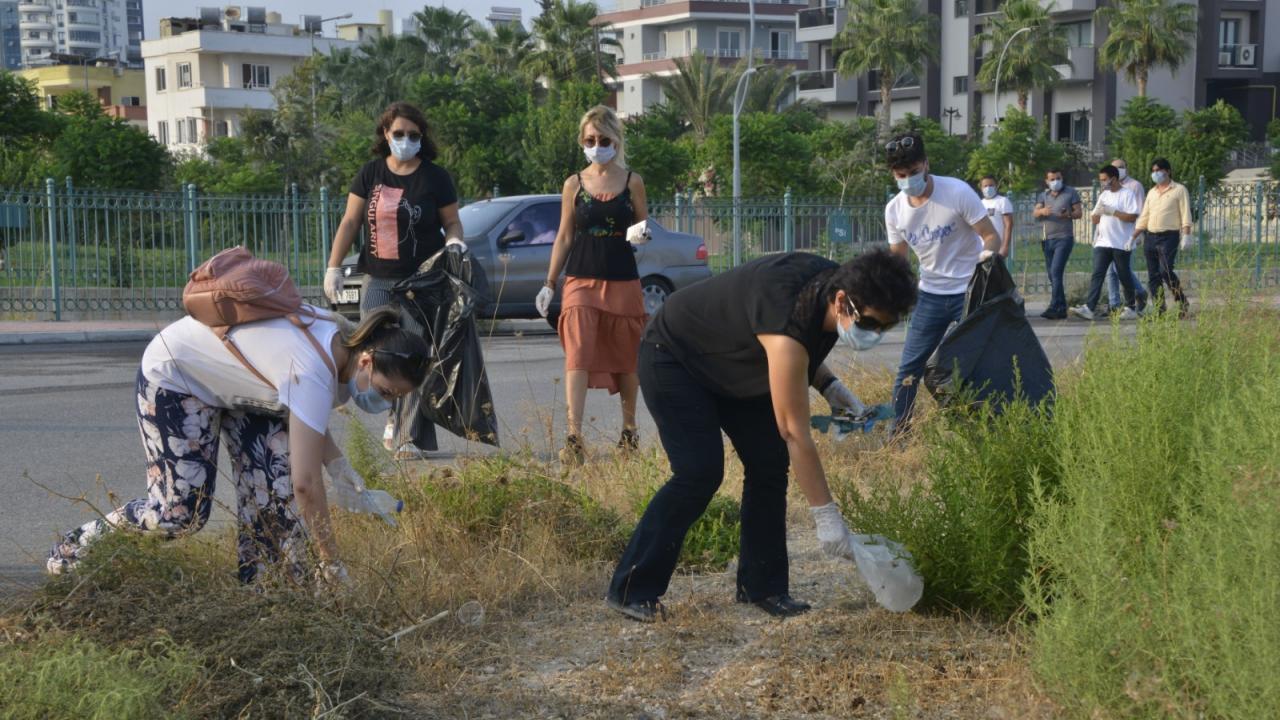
(311, 34)
(739, 98)
(1000, 62)
(951, 113)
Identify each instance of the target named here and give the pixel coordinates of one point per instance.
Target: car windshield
(478, 217)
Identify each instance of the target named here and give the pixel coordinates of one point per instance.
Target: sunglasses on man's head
(868, 323)
(592, 142)
(903, 143)
(400, 135)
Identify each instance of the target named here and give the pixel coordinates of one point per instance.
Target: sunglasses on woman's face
(592, 141)
(866, 322)
(400, 135)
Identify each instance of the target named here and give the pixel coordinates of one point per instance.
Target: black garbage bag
(992, 353)
(441, 301)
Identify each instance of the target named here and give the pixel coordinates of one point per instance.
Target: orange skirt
(601, 322)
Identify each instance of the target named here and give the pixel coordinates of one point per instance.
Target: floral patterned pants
(180, 435)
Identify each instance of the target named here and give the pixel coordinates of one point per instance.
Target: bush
(712, 541)
(1156, 583)
(966, 525)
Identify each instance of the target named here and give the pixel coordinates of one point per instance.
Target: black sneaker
(629, 441)
(781, 606)
(1054, 315)
(645, 611)
(573, 453)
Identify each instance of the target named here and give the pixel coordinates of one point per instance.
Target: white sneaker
(1128, 314)
(1082, 311)
(388, 436)
(409, 451)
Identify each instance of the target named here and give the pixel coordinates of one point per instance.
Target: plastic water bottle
(363, 500)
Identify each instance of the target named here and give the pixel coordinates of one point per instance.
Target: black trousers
(1102, 259)
(1161, 249)
(690, 419)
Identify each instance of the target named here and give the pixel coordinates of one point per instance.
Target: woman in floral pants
(193, 394)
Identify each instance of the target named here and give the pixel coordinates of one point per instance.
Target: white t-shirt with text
(187, 357)
(1112, 232)
(997, 207)
(940, 232)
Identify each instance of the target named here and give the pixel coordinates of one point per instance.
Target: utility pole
(311, 58)
(740, 97)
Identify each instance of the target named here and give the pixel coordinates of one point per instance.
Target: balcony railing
(608, 6)
(816, 80)
(816, 17)
(1238, 56)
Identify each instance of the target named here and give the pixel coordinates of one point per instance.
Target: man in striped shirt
(1166, 219)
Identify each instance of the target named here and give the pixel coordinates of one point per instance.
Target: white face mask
(404, 149)
(914, 185)
(599, 154)
(989, 191)
(1124, 172)
(1055, 185)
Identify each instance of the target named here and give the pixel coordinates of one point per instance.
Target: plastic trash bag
(846, 424)
(992, 348)
(344, 494)
(443, 299)
(886, 566)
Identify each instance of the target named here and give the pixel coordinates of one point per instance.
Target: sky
(291, 10)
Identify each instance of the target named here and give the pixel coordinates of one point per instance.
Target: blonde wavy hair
(606, 121)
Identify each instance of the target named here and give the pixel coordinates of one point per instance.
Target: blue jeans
(1113, 286)
(1056, 252)
(929, 323)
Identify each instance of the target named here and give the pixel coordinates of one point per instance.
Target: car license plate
(350, 296)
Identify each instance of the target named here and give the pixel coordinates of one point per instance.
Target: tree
(1136, 133)
(228, 167)
(699, 90)
(849, 160)
(446, 34)
(1033, 56)
(550, 147)
(1018, 154)
(658, 149)
(775, 155)
(1202, 144)
(98, 151)
(891, 38)
(503, 51)
(570, 45)
(1146, 34)
(376, 75)
(20, 113)
(769, 90)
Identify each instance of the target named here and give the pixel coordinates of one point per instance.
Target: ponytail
(397, 353)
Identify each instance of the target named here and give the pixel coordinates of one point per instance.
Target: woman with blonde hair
(602, 307)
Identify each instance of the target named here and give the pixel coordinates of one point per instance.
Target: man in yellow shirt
(1165, 218)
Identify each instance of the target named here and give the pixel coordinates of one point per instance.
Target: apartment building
(121, 90)
(87, 28)
(653, 33)
(10, 36)
(362, 32)
(1230, 61)
(203, 73)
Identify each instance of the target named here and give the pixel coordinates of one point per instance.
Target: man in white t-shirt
(1000, 211)
(1113, 215)
(1113, 282)
(942, 220)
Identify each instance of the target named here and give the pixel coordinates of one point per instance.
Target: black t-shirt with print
(403, 214)
(711, 326)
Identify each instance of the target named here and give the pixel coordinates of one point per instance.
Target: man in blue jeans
(944, 222)
(1057, 209)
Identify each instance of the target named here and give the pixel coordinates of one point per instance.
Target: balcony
(820, 24)
(760, 53)
(1242, 57)
(35, 7)
(826, 86)
(1081, 67)
(229, 98)
(1073, 6)
(41, 25)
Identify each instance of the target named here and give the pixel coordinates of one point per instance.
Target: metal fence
(93, 254)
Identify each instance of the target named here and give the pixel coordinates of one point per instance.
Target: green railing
(68, 252)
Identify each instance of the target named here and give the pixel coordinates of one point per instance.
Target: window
(539, 224)
(780, 44)
(256, 76)
(184, 75)
(962, 8)
(162, 132)
(960, 85)
(1073, 127)
(221, 129)
(688, 42)
(182, 131)
(1079, 34)
(131, 101)
(160, 79)
(729, 43)
(191, 131)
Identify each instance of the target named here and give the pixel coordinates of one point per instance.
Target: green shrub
(1156, 583)
(712, 540)
(67, 677)
(966, 525)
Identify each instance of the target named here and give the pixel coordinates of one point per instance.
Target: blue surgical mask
(913, 185)
(989, 191)
(1055, 185)
(856, 337)
(404, 149)
(368, 400)
(599, 154)
(1159, 176)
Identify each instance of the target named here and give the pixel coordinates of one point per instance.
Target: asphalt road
(68, 426)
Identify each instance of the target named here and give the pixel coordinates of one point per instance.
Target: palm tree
(1146, 34)
(700, 90)
(504, 50)
(770, 89)
(1031, 60)
(890, 37)
(445, 35)
(570, 46)
(378, 74)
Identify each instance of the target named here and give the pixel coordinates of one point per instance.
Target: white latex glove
(543, 301)
(833, 534)
(982, 256)
(347, 490)
(332, 283)
(841, 398)
(640, 233)
(1186, 242)
(455, 242)
(333, 574)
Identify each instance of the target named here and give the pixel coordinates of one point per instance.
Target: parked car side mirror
(511, 237)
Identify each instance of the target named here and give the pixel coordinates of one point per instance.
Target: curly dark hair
(876, 279)
(904, 151)
(381, 148)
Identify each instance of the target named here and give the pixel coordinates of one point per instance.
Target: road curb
(76, 337)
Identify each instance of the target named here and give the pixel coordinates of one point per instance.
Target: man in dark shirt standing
(1057, 209)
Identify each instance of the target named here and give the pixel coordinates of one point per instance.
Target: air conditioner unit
(1247, 53)
(1224, 59)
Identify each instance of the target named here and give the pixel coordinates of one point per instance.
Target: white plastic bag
(886, 566)
(346, 495)
(640, 233)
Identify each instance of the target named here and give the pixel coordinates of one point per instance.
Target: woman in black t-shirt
(737, 354)
(407, 201)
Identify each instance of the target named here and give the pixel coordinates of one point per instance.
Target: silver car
(511, 237)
